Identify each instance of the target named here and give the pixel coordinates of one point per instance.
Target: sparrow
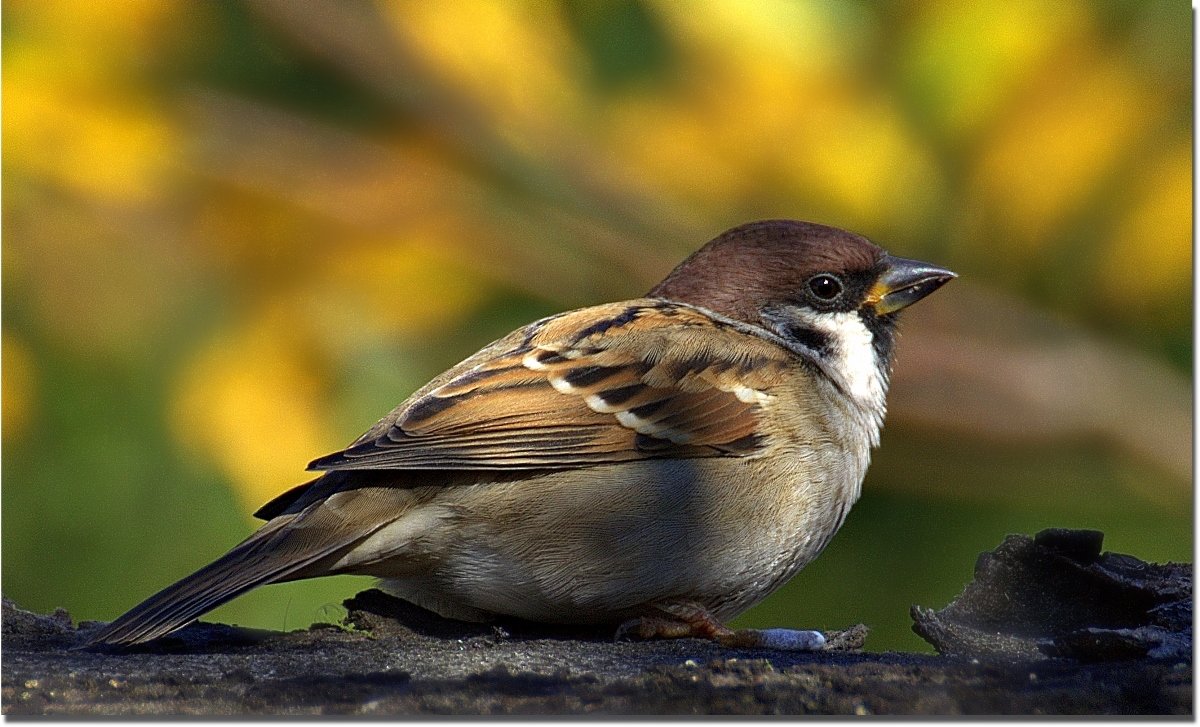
(659, 465)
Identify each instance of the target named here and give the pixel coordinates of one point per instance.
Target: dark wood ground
(398, 660)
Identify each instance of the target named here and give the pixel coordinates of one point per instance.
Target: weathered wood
(400, 660)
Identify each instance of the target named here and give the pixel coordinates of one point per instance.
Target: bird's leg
(685, 619)
(675, 621)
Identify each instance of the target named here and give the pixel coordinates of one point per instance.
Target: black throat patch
(795, 329)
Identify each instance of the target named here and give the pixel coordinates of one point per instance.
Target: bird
(657, 465)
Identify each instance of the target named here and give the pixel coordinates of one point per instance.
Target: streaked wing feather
(646, 379)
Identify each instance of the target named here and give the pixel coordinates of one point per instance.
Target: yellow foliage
(400, 287)
(970, 58)
(514, 58)
(752, 112)
(1148, 258)
(18, 395)
(855, 151)
(252, 401)
(1055, 149)
(74, 109)
(805, 37)
(112, 149)
(712, 137)
(90, 42)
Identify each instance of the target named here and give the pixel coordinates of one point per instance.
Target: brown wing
(608, 384)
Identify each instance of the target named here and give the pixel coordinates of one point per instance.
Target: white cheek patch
(851, 355)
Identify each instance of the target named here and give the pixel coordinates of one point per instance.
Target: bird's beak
(904, 282)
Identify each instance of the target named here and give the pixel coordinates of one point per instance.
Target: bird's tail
(272, 554)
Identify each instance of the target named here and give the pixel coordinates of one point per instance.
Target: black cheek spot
(809, 338)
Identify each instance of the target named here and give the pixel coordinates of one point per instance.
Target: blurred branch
(402, 189)
(977, 361)
(352, 37)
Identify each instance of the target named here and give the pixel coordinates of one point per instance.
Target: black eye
(825, 286)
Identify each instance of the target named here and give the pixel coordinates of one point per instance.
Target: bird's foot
(692, 621)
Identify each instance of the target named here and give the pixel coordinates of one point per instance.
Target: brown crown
(745, 268)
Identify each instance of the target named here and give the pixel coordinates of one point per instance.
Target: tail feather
(270, 555)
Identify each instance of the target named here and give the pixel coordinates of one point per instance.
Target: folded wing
(602, 385)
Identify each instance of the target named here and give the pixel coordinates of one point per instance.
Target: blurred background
(236, 233)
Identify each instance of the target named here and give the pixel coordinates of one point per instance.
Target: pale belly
(657, 531)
